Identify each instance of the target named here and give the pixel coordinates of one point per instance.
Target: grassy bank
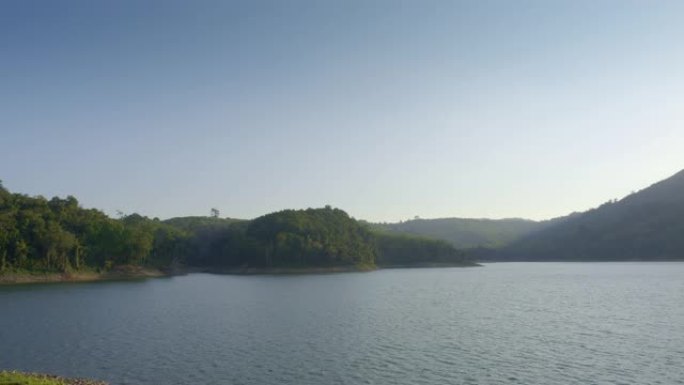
(17, 378)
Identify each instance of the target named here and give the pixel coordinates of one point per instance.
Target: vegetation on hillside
(288, 238)
(465, 233)
(57, 235)
(312, 237)
(407, 250)
(323, 237)
(647, 225)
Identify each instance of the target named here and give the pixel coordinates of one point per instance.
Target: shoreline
(311, 270)
(118, 274)
(282, 270)
(129, 273)
(429, 265)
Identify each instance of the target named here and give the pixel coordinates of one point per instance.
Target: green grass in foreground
(14, 378)
(17, 378)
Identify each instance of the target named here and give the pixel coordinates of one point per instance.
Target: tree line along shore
(56, 239)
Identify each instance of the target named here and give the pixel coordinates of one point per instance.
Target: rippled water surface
(527, 323)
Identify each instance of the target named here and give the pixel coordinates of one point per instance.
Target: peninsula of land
(57, 240)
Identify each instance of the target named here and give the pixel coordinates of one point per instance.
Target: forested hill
(290, 238)
(464, 233)
(57, 235)
(324, 237)
(647, 225)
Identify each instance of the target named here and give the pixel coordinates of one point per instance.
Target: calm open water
(527, 323)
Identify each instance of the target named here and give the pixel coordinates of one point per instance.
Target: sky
(386, 109)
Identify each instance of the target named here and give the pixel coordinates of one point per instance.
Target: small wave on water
(526, 323)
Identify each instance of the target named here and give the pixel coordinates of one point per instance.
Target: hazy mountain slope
(648, 225)
(466, 232)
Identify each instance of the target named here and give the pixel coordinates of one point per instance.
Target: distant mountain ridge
(466, 233)
(646, 225)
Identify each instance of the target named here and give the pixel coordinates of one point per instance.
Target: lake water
(527, 323)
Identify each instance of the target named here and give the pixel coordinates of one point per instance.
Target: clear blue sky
(387, 109)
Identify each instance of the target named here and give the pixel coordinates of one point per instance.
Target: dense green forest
(407, 250)
(57, 235)
(37, 234)
(313, 237)
(289, 238)
(647, 225)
